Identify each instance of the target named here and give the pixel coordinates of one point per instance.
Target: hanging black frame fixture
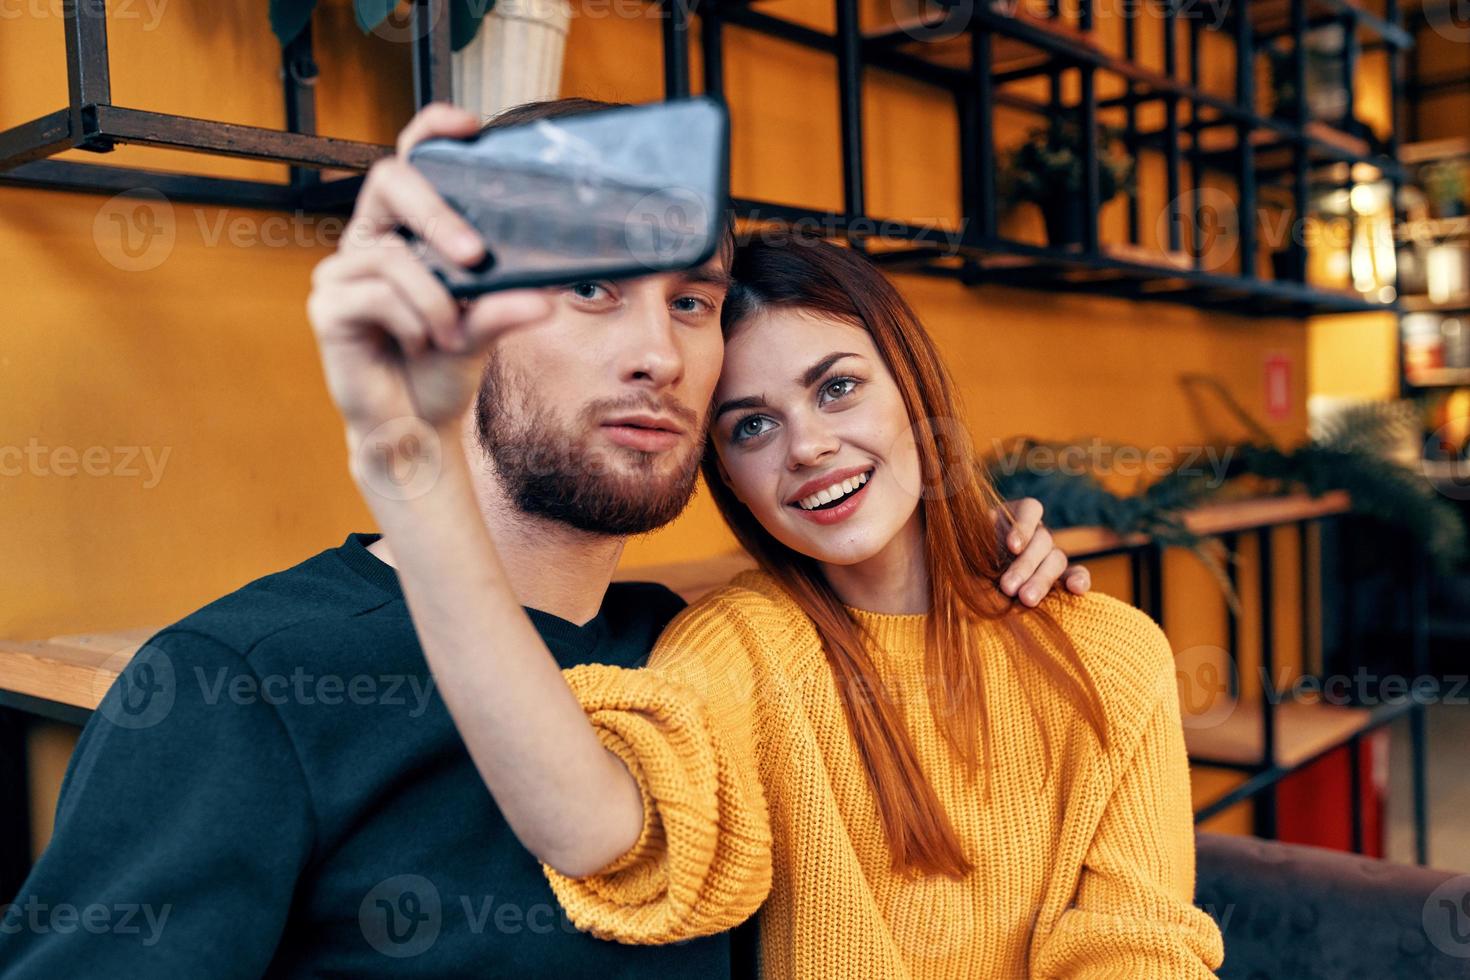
(1307, 153)
(1293, 148)
(92, 122)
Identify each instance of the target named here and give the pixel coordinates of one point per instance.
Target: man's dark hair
(549, 109)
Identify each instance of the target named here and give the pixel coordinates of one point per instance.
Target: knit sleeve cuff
(702, 862)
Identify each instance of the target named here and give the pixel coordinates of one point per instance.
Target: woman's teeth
(833, 493)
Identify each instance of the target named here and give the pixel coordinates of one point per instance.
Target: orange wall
(206, 355)
(1443, 54)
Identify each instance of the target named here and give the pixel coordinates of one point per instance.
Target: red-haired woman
(956, 786)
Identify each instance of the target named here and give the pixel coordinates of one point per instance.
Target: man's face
(596, 416)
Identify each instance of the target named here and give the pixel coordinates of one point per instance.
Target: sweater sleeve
(1134, 914)
(683, 727)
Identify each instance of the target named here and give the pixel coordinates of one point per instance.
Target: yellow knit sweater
(755, 791)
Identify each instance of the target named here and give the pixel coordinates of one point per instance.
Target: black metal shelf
(91, 122)
(1267, 735)
(982, 50)
(973, 260)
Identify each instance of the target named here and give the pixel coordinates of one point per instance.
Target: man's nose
(648, 351)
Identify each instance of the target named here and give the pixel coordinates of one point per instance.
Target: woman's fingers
(1078, 579)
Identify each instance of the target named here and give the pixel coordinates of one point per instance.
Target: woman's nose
(812, 441)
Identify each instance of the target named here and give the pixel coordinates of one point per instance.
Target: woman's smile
(837, 498)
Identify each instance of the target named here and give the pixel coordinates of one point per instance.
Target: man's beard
(550, 470)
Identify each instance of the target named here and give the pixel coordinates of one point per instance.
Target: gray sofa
(1301, 913)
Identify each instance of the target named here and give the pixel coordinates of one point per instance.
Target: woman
(956, 787)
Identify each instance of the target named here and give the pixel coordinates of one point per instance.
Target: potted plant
(1285, 100)
(506, 52)
(1444, 185)
(1288, 263)
(1047, 170)
(1356, 449)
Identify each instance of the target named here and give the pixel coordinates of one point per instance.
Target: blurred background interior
(1214, 257)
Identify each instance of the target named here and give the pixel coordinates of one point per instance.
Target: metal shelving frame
(1063, 47)
(92, 122)
(1264, 773)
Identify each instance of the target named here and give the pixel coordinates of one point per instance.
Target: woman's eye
(838, 388)
(749, 428)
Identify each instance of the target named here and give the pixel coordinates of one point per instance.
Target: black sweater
(274, 788)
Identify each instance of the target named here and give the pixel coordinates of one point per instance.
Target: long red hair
(964, 555)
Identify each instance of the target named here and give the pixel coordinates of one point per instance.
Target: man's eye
(749, 428)
(587, 290)
(693, 304)
(838, 388)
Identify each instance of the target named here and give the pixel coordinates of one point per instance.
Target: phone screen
(610, 194)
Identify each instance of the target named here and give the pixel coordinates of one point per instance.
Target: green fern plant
(1351, 451)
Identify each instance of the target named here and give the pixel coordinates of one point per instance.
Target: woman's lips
(641, 439)
(844, 510)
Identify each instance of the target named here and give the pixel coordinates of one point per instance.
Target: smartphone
(609, 194)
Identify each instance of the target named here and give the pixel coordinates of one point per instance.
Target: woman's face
(813, 436)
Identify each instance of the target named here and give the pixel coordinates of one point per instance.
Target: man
(274, 787)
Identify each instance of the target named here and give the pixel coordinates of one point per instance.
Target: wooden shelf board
(77, 670)
(1143, 255)
(74, 670)
(1303, 730)
(1007, 53)
(1434, 229)
(1423, 304)
(1427, 150)
(1440, 378)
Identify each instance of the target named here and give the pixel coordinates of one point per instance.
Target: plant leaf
(464, 20)
(371, 13)
(289, 18)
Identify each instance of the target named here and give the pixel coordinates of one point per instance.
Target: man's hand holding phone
(394, 343)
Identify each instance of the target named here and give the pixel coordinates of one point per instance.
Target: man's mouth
(645, 433)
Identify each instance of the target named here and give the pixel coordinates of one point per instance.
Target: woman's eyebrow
(814, 373)
(749, 401)
(808, 378)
